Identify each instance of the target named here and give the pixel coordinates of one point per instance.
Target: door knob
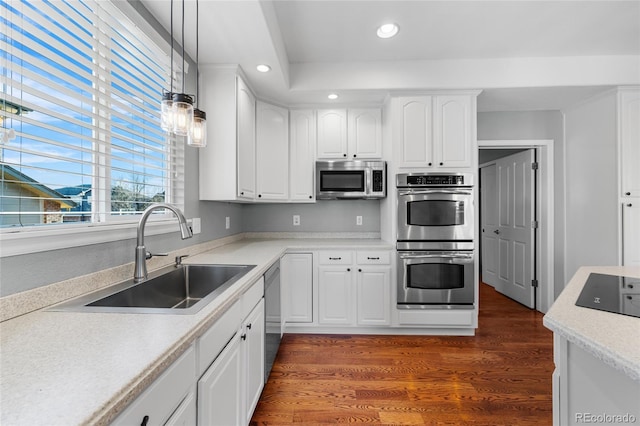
(497, 231)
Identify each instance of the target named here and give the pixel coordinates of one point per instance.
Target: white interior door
(489, 221)
(509, 241)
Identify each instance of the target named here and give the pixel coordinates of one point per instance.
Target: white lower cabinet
(166, 396)
(296, 271)
(220, 390)
(354, 288)
(230, 388)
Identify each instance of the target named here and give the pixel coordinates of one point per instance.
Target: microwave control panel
(378, 181)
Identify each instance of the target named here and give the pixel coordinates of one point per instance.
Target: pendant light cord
(183, 46)
(197, 53)
(171, 66)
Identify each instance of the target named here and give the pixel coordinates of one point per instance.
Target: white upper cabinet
(272, 152)
(246, 142)
(349, 134)
(302, 148)
(227, 164)
(434, 131)
(332, 133)
(629, 126)
(413, 133)
(452, 131)
(364, 133)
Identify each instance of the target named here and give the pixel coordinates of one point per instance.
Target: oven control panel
(433, 179)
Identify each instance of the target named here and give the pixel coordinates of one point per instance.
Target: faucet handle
(179, 259)
(150, 255)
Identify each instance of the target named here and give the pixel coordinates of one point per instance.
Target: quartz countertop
(68, 368)
(612, 338)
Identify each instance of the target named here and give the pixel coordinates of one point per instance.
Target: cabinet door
(246, 104)
(631, 232)
(186, 413)
(452, 131)
(365, 133)
(332, 133)
(302, 138)
(220, 390)
(253, 354)
(413, 131)
(297, 287)
(335, 302)
(374, 295)
(630, 143)
(272, 152)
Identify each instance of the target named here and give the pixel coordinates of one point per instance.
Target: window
(80, 125)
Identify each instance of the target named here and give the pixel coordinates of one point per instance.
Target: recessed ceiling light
(333, 96)
(263, 68)
(387, 30)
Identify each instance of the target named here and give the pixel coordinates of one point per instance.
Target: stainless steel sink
(176, 290)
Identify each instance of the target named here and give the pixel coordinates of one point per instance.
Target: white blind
(81, 138)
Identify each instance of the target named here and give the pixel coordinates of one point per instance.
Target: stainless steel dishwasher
(273, 316)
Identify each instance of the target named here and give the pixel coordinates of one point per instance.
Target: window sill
(27, 241)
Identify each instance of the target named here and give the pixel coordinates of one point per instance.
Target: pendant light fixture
(199, 129)
(166, 105)
(182, 103)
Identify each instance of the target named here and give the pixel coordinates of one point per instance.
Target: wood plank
(500, 376)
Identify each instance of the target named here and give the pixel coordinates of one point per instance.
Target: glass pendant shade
(182, 114)
(166, 112)
(199, 130)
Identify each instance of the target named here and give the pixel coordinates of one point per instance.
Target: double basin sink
(183, 289)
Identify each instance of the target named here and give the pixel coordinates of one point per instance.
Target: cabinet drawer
(164, 395)
(437, 318)
(213, 341)
(342, 257)
(252, 296)
(373, 258)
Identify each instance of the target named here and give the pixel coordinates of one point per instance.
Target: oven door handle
(434, 191)
(434, 255)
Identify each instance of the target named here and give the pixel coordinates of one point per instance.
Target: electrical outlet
(196, 226)
(227, 222)
(359, 220)
(296, 220)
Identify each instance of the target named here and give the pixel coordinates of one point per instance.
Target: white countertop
(68, 368)
(612, 338)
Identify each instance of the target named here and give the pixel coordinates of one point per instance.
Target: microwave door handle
(367, 184)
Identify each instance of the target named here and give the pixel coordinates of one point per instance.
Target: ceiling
(524, 55)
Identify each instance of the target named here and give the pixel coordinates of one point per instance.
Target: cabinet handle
(249, 326)
(373, 258)
(259, 195)
(354, 156)
(441, 164)
(335, 258)
(429, 164)
(348, 269)
(244, 337)
(627, 193)
(629, 205)
(242, 193)
(359, 270)
(310, 196)
(344, 155)
(145, 420)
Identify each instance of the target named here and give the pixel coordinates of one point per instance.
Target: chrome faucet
(140, 268)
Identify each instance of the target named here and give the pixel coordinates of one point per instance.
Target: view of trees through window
(80, 137)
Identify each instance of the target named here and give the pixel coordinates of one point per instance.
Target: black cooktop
(611, 293)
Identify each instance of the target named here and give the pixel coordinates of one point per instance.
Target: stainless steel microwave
(352, 179)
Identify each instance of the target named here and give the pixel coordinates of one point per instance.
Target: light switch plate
(196, 226)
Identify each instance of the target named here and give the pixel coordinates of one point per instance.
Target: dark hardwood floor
(500, 376)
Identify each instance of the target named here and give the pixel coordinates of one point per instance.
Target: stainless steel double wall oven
(435, 240)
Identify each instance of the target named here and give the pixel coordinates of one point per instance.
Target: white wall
(591, 182)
